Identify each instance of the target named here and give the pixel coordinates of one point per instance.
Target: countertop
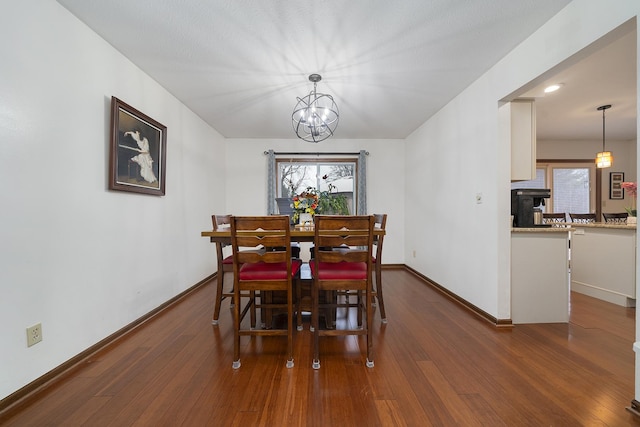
(604, 225)
(571, 226)
(541, 229)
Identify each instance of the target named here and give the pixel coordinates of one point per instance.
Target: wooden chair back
(554, 218)
(583, 218)
(615, 218)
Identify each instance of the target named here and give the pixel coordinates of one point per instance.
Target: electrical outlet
(414, 253)
(34, 334)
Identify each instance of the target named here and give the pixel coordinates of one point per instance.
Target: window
(571, 190)
(295, 175)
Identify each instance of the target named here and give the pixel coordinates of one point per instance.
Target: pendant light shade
(604, 159)
(315, 116)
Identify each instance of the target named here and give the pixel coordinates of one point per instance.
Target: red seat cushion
(268, 271)
(340, 270)
(228, 260)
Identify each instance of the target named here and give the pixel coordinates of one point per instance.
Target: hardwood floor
(436, 363)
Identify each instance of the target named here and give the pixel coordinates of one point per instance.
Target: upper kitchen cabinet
(519, 124)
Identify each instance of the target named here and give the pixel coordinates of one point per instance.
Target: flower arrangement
(632, 190)
(305, 202)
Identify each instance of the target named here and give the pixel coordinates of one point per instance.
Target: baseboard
(603, 294)
(30, 392)
(634, 408)
(393, 266)
(498, 323)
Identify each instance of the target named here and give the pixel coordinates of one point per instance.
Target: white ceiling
(604, 73)
(390, 65)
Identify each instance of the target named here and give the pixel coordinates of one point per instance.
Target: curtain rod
(293, 153)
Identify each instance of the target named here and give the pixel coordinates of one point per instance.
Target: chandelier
(604, 159)
(315, 117)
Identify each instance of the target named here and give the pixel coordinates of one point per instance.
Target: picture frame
(616, 192)
(306, 219)
(138, 147)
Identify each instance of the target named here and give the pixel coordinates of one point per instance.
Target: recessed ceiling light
(552, 88)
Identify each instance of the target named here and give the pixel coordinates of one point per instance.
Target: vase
(632, 220)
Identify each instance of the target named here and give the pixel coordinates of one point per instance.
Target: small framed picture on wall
(616, 191)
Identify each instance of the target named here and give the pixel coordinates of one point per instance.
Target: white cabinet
(540, 275)
(603, 262)
(522, 132)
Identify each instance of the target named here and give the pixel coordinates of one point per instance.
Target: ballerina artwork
(143, 159)
(138, 148)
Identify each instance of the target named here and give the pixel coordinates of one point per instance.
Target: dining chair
(583, 218)
(265, 271)
(339, 270)
(225, 265)
(615, 218)
(556, 219)
(380, 222)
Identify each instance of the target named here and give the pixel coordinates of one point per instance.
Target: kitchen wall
(624, 153)
(80, 259)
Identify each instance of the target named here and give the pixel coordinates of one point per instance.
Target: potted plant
(632, 189)
(332, 203)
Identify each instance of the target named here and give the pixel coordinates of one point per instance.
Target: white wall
(624, 160)
(456, 154)
(247, 165)
(83, 260)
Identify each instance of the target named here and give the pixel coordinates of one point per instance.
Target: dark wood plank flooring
(435, 364)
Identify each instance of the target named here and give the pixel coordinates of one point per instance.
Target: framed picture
(615, 188)
(306, 218)
(137, 161)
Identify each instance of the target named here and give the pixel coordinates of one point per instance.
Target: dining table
(299, 233)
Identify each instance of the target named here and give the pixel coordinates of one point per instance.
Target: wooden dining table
(298, 234)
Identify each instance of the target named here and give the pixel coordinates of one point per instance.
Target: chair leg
(379, 297)
(290, 327)
(298, 303)
(368, 298)
(359, 305)
(252, 301)
(216, 309)
(315, 325)
(236, 330)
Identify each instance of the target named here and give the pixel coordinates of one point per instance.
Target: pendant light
(315, 116)
(604, 159)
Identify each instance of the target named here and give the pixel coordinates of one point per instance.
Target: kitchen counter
(603, 225)
(603, 262)
(540, 275)
(541, 229)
